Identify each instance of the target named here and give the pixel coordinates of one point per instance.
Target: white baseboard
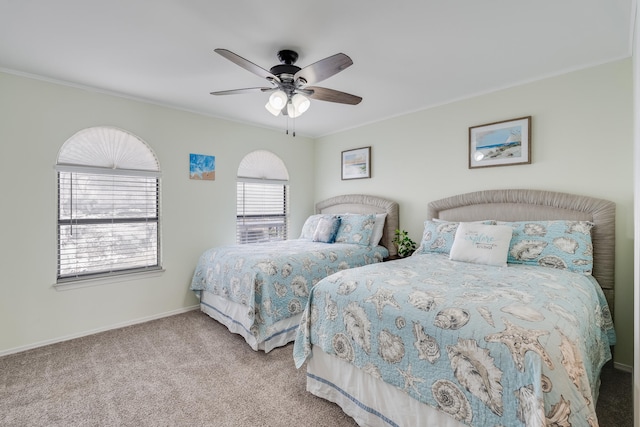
(95, 331)
(623, 367)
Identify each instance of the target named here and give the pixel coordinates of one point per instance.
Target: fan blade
(247, 65)
(330, 95)
(324, 68)
(245, 90)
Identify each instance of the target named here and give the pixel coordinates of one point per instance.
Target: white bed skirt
(368, 400)
(236, 318)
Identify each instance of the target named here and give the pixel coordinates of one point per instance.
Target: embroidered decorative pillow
(438, 236)
(311, 224)
(326, 230)
(559, 244)
(356, 229)
(481, 244)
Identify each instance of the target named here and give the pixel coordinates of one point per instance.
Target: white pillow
(311, 224)
(481, 244)
(378, 229)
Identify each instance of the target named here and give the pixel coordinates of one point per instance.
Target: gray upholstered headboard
(360, 204)
(524, 205)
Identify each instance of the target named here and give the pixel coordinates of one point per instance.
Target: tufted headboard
(364, 204)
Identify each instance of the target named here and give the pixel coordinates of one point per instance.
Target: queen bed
(449, 338)
(260, 290)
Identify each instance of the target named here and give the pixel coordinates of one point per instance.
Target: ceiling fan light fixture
(298, 105)
(274, 111)
(301, 102)
(278, 100)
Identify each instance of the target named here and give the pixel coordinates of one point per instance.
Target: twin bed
(260, 290)
(445, 337)
(432, 341)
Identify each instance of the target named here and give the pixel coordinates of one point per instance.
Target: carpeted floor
(615, 402)
(187, 370)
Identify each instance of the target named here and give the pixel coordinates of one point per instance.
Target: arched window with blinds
(108, 205)
(262, 198)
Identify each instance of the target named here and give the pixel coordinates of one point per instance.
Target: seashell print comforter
(515, 345)
(273, 279)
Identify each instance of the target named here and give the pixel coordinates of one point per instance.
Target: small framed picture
(356, 163)
(500, 143)
(202, 166)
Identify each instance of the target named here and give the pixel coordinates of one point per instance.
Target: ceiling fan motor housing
(286, 70)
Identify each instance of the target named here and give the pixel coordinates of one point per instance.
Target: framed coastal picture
(202, 166)
(356, 163)
(500, 143)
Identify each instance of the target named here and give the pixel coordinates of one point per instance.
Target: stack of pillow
(361, 229)
(559, 244)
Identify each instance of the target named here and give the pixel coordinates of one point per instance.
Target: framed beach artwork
(500, 143)
(202, 167)
(356, 163)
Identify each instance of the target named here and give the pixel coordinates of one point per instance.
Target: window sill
(99, 281)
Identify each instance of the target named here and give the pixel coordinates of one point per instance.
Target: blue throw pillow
(559, 244)
(326, 230)
(356, 229)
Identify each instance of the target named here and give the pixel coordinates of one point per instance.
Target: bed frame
(228, 312)
(363, 204)
(532, 205)
(351, 388)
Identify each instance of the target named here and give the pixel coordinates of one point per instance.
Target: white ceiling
(408, 55)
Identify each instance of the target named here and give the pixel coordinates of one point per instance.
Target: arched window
(108, 205)
(262, 198)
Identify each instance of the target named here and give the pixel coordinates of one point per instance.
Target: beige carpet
(184, 370)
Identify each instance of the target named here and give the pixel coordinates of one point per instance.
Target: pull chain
(293, 132)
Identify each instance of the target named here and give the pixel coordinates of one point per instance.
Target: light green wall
(582, 143)
(36, 118)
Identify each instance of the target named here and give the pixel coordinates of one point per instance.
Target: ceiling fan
(290, 85)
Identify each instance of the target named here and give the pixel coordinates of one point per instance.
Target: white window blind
(108, 216)
(106, 223)
(262, 198)
(262, 212)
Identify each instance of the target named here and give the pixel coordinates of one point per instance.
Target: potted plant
(403, 242)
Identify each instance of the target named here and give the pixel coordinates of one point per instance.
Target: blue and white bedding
(490, 346)
(271, 281)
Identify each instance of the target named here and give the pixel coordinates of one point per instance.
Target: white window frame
(117, 205)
